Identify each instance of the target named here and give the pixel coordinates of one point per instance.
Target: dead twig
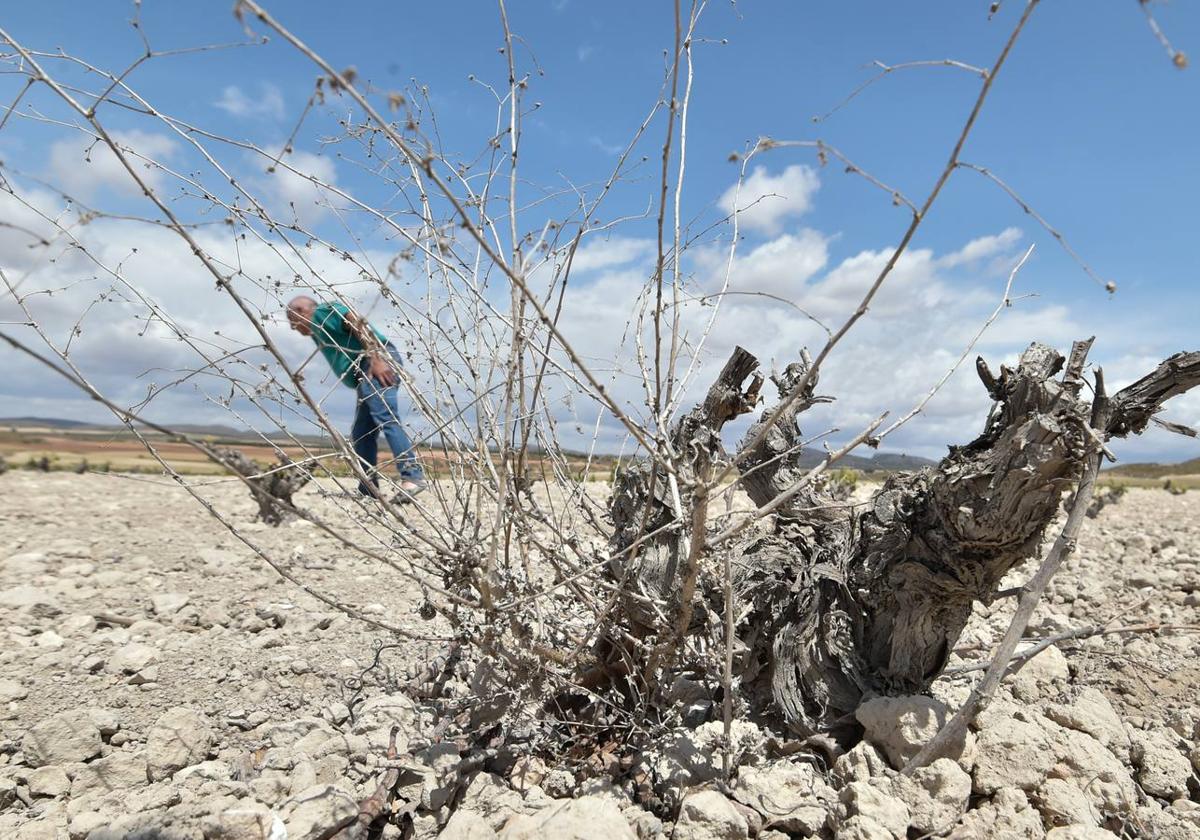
(1032, 591)
(1088, 632)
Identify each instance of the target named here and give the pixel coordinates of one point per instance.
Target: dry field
(120, 451)
(157, 677)
(117, 451)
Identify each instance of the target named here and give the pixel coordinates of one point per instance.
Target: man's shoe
(409, 489)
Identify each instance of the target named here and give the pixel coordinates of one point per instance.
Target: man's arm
(379, 364)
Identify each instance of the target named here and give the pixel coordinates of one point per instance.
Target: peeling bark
(837, 603)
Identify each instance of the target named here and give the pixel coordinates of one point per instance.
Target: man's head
(299, 314)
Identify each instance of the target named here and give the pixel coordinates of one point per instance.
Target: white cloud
(766, 200)
(25, 237)
(126, 348)
(289, 194)
(83, 167)
(268, 104)
(606, 253)
(925, 315)
(981, 248)
(780, 266)
(611, 149)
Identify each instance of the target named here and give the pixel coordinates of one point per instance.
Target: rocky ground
(160, 681)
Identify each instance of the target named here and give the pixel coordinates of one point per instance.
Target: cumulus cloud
(982, 248)
(765, 201)
(925, 315)
(84, 167)
(297, 194)
(778, 267)
(606, 253)
(124, 331)
(267, 104)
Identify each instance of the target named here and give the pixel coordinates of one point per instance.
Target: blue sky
(1089, 121)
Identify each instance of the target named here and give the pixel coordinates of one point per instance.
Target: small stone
(8, 792)
(707, 814)
(338, 713)
(272, 787)
(132, 658)
(169, 603)
(244, 824)
(1007, 814)
(90, 824)
(179, 738)
(863, 799)
(77, 625)
(901, 726)
(315, 813)
(693, 757)
(49, 640)
(1090, 712)
(649, 827)
(1011, 753)
(863, 828)
(1061, 803)
(527, 771)
(1163, 771)
(1047, 667)
(300, 666)
(789, 796)
(936, 795)
(489, 796)
(11, 691)
(67, 736)
(860, 763)
(116, 772)
(49, 782)
(467, 825)
(559, 783)
(1080, 832)
(573, 819)
(149, 674)
(106, 720)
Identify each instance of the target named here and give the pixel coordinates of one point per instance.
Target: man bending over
(365, 360)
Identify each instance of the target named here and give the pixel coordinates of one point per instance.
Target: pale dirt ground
(76, 547)
(110, 544)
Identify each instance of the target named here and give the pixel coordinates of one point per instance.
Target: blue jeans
(377, 413)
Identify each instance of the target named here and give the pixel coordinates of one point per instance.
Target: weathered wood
(650, 504)
(1031, 592)
(1136, 405)
(837, 603)
(272, 488)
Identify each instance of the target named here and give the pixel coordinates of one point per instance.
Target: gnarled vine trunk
(272, 488)
(836, 602)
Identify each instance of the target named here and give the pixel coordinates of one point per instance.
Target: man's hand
(381, 371)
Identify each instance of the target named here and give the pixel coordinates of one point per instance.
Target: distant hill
(1191, 467)
(879, 462)
(214, 430)
(46, 422)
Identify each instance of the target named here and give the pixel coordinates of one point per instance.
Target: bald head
(299, 314)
